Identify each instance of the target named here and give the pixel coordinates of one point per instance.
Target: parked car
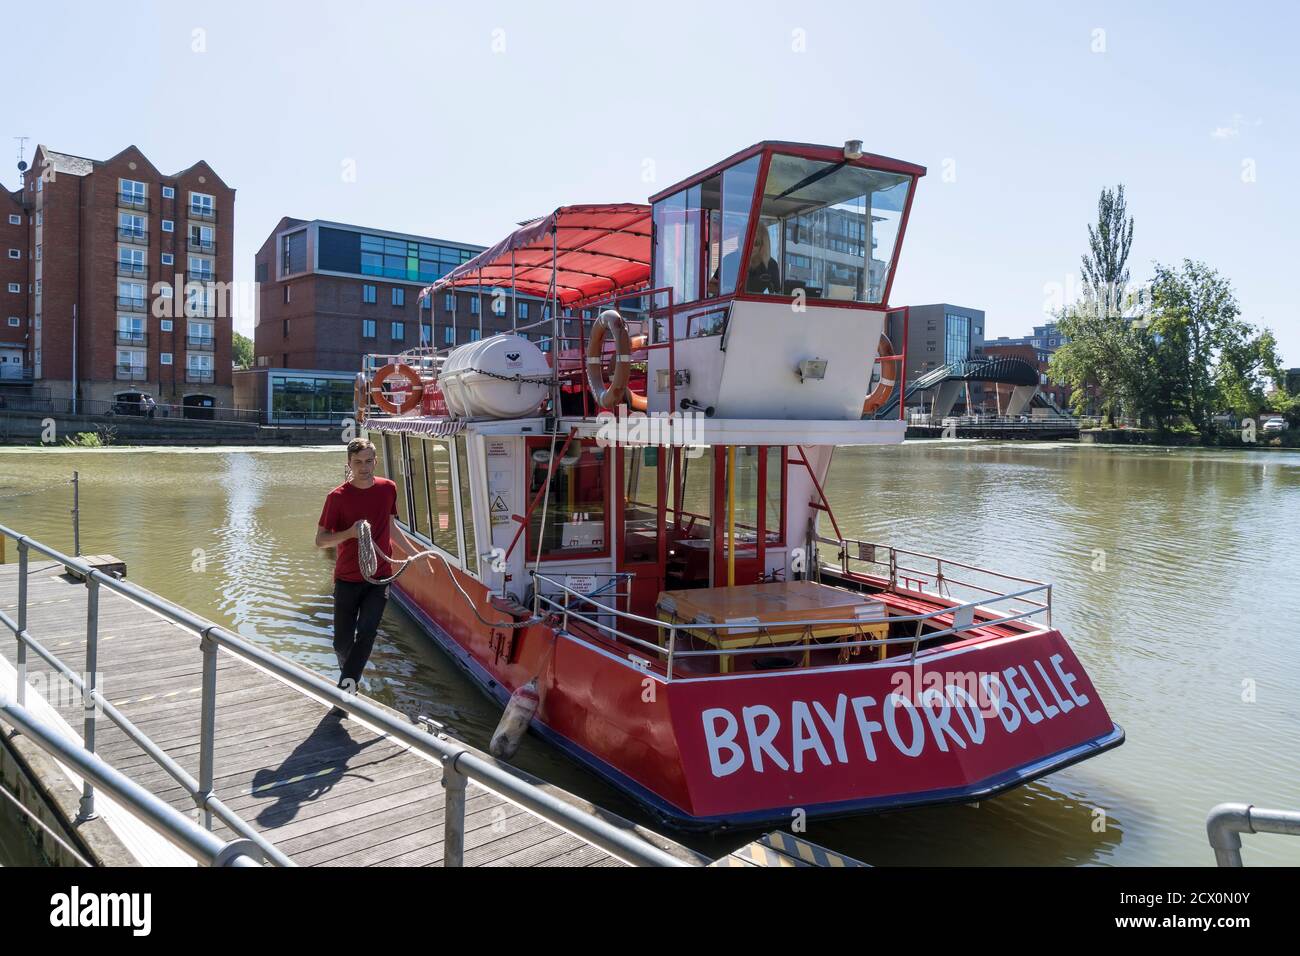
(1275, 425)
(142, 405)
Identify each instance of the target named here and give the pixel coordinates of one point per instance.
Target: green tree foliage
(1105, 267)
(1211, 360)
(243, 351)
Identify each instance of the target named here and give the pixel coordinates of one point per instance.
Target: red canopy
(599, 250)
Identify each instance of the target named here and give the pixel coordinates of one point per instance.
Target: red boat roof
(599, 249)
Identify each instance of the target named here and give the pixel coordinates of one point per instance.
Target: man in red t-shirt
(358, 604)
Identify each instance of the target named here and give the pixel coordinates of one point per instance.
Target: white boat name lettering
(945, 711)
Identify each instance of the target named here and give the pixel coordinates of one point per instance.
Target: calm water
(1189, 630)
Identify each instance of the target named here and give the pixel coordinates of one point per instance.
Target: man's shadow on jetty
(321, 760)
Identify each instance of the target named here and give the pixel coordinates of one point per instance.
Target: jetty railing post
(453, 838)
(76, 515)
(87, 807)
(22, 623)
(207, 726)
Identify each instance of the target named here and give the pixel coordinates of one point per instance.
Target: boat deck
(326, 791)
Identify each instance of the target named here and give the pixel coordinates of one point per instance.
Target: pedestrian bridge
(948, 382)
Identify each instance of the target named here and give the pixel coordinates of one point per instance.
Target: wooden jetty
(325, 790)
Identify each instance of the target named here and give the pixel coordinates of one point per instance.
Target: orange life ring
(885, 387)
(410, 397)
(608, 395)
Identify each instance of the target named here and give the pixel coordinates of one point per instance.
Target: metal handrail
(670, 651)
(1228, 821)
(850, 549)
(169, 823)
(459, 763)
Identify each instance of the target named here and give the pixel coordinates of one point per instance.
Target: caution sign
(500, 508)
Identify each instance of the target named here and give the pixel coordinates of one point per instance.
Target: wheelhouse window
(699, 231)
(576, 524)
(827, 228)
(640, 505)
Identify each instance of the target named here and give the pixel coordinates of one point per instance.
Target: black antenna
(22, 163)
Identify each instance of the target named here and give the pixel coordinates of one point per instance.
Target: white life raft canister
(504, 376)
(514, 722)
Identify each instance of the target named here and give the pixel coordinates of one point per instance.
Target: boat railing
(916, 571)
(552, 596)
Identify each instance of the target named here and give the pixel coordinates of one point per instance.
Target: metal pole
(453, 841)
(207, 726)
(514, 297)
(76, 515)
(22, 623)
(87, 809)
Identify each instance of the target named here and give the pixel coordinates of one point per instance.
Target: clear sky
(456, 120)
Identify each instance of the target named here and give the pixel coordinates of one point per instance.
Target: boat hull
(961, 723)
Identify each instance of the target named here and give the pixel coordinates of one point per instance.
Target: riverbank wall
(34, 428)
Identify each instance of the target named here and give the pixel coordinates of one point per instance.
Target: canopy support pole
(514, 297)
(731, 516)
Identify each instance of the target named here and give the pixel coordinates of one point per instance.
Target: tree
(1105, 272)
(1215, 360)
(243, 351)
(1104, 351)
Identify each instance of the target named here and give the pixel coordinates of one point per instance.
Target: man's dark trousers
(358, 606)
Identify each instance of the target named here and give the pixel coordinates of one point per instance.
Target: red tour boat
(627, 516)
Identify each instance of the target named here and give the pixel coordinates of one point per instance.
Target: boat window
(737, 195)
(690, 491)
(397, 471)
(419, 485)
(381, 459)
(827, 228)
(640, 505)
(442, 506)
(698, 234)
(774, 525)
(466, 504)
(746, 495)
(575, 508)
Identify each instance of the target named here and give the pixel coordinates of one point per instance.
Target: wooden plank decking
(326, 791)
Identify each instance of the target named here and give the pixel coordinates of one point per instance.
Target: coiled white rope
(368, 558)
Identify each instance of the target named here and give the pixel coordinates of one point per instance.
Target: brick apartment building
(15, 333)
(330, 293)
(106, 248)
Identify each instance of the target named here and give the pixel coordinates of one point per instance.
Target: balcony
(207, 246)
(203, 213)
(131, 201)
(131, 373)
(138, 237)
(130, 304)
(206, 276)
(201, 343)
(132, 337)
(199, 375)
(127, 268)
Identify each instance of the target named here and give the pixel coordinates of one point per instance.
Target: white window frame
(198, 361)
(16, 287)
(142, 192)
(165, 358)
(168, 259)
(15, 253)
(207, 208)
(169, 192)
(164, 325)
(15, 322)
(15, 219)
(168, 225)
